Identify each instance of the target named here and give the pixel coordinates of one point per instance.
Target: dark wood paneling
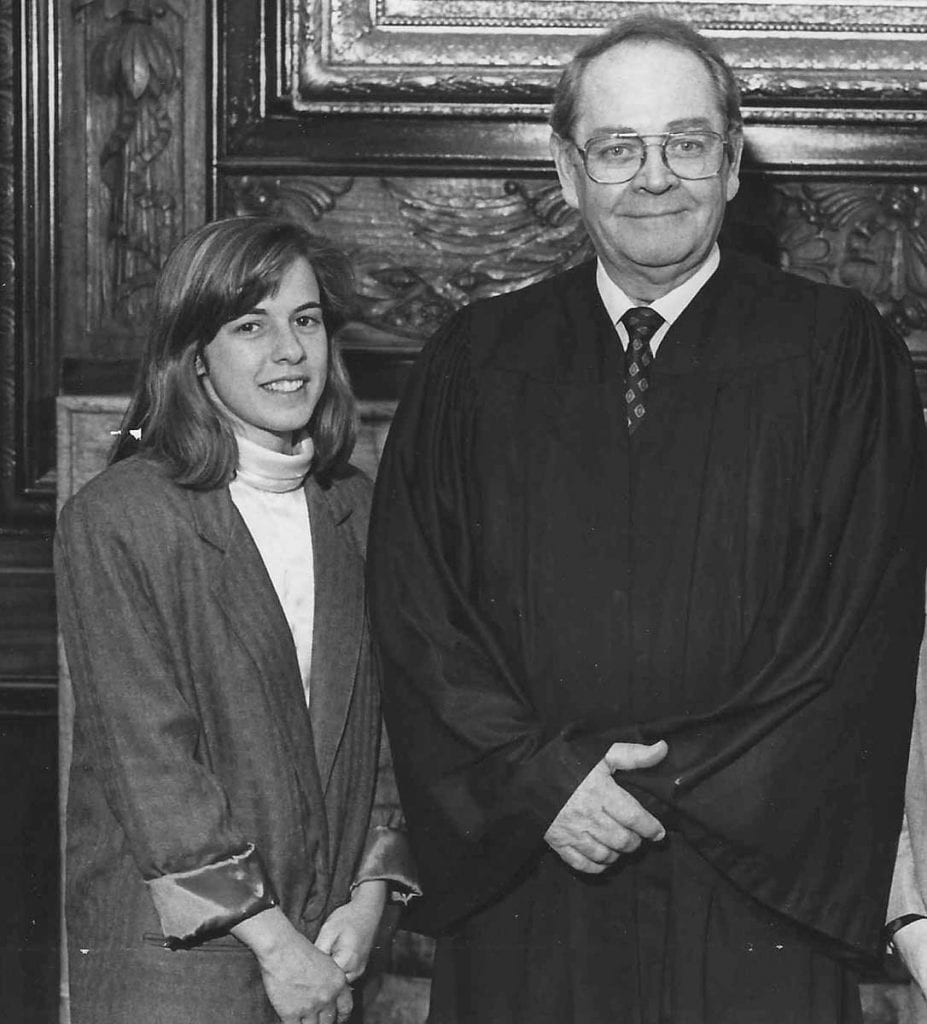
(27, 628)
(28, 384)
(28, 638)
(28, 790)
(29, 866)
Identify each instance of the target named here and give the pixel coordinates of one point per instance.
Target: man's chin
(671, 259)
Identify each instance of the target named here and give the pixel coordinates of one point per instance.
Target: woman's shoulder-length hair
(216, 274)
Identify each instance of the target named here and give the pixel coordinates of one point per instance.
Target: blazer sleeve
(909, 881)
(117, 617)
(387, 855)
(905, 900)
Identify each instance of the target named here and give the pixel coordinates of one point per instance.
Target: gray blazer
(909, 882)
(200, 787)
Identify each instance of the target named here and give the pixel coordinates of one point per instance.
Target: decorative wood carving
(134, 159)
(134, 76)
(304, 199)
(871, 237)
(424, 247)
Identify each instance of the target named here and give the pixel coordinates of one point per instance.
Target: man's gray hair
(646, 28)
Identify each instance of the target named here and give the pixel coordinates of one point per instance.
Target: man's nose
(287, 345)
(654, 175)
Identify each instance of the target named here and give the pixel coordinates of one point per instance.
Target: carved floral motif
(870, 237)
(302, 199)
(134, 63)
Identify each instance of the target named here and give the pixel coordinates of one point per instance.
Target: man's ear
(732, 182)
(568, 167)
(199, 366)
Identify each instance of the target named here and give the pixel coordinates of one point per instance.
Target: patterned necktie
(642, 323)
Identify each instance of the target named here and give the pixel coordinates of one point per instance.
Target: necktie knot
(642, 323)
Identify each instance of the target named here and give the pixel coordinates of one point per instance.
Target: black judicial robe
(744, 577)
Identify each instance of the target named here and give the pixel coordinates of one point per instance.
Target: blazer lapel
(246, 596)
(339, 624)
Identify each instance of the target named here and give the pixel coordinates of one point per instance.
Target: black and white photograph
(463, 512)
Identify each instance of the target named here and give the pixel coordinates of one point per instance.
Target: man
(647, 578)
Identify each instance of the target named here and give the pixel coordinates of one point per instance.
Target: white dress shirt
(669, 306)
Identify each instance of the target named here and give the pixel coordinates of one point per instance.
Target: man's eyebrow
(689, 122)
(308, 305)
(680, 124)
(611, 129)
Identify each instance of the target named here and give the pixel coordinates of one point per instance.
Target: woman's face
(266, 370)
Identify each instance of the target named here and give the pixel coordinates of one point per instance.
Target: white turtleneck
(268, 492)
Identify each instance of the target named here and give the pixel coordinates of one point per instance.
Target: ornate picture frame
(502, 59)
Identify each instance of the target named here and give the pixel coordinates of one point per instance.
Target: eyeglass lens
(688, 155)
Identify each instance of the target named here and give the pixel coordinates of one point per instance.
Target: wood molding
(28, 354)
(28, 699)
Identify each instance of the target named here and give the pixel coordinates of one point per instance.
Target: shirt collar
(669, 306)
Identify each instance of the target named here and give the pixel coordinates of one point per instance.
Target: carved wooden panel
(423, 247)
(870, 237)
(133, 159)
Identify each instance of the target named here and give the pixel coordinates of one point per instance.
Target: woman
(226, 859)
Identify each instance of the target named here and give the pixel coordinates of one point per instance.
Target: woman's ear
(199, 366)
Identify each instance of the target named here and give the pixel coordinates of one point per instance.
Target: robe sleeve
(480, 778)
(203, 873)
(793, 785)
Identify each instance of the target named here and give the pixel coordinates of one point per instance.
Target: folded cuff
(387, 857)
(211, 899)
(895, 926)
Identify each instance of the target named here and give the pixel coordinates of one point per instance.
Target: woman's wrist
(370, 893)
(266, 933)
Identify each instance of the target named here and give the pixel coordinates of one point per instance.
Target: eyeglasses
(615, 158)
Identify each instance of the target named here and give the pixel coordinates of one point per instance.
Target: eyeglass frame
(726, 147)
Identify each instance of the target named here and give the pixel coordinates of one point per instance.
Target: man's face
(653, 231)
